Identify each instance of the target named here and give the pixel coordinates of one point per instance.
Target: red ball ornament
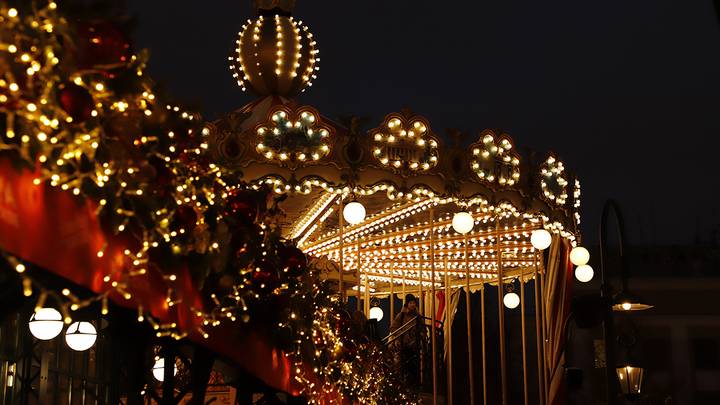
(76, 101)
(264, 276)
(185, 217)
(293, 260)
(101, 44)
(242, 204)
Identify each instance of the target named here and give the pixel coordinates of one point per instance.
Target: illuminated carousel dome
(275, 54)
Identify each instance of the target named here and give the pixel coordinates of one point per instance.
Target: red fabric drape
(55, 230)
(556, 294)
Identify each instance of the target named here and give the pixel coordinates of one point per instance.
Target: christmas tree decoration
(101, 45)
(76, 101)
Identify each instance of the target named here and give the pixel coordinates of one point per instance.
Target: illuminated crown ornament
(493, 159)
(274, 54)
(404, 142)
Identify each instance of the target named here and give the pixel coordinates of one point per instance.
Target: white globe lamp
(579, 256)
(80, 336)
(376, 313)
(158, 369)
(463, 222)
(354, 213)
(46, 323)
(511, 300)
(540, 239)
(584, 273)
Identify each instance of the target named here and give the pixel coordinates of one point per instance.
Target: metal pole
(432, 304)
(471, 375)
(522, 327)
(357, 274)
(341, 221)
(606, 293)
(538, 333)
(448, 333)
(544, 335)
(392, 295)
(501, 316)
(482, 330)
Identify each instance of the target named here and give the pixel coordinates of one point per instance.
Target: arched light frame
(405, 143)
(493, 159)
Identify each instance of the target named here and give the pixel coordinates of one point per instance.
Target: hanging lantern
(579, 256)
(584, 273)
(80, 336)
(46, 323)
(630, 379)
(463, 222)
(354, 213)
(511, 300)
(158, 369)
(376, 313)
(540, 239)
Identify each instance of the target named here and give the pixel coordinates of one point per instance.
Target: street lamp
(630, 378)
(623, 301)
(46, 323)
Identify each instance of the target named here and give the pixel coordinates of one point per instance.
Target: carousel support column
(357, 274)
(421, 310)
(341, 220)
(544, 333)
(522, 328)
(471, 375)
(432, 305)
(538, 334)
(482, 332)
(392, 294)
(448, 333)
(501, 314)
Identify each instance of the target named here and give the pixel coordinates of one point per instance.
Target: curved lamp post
(623, 301)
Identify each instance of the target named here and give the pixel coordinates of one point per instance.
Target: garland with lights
(78, 110)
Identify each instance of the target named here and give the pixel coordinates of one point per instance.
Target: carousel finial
(282, 7)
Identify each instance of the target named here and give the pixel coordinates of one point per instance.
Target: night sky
(627, 92)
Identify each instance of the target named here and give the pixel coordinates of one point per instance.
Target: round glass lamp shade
(158, 369)
(376, 313)
(354, 213)
(80, 336)
(579, 256)
(511, 300)
(584, 273)
(46, 323)
(463, 222)
(540, 239)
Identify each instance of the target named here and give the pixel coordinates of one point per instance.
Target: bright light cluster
(553, 181)
(293, 136)
(294, 63)
(494, 161)
(402, 143)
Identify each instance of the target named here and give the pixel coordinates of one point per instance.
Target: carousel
(399, 208)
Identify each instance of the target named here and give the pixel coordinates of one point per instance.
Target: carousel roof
(409, 179)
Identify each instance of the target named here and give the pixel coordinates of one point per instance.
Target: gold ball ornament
(275, 54)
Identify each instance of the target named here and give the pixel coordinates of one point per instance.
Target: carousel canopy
(410, 181)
